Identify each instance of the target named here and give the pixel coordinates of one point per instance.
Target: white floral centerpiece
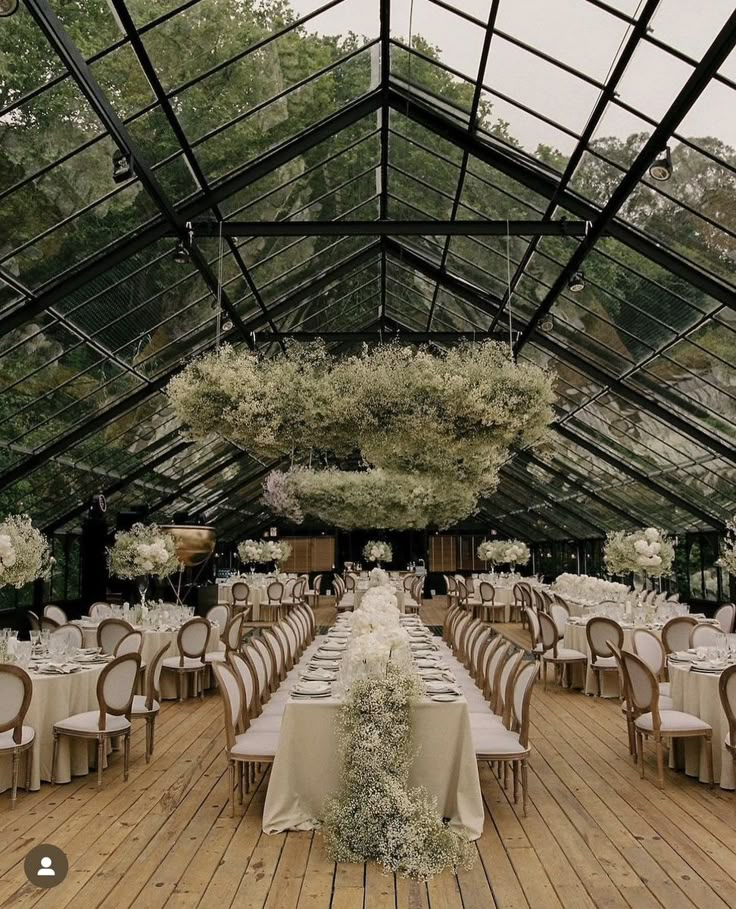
(25, 554)
(649, 552)
(589, 589)
(377, 551)
(728, 551)
(516, 553)
(276, 551)
(143, 552)
(250, 551)
(491, 552)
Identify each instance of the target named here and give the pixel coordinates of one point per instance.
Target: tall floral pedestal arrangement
(142, 553)
(378, 552)
(25, 556)
(647, 553)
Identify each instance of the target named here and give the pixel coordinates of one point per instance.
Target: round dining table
(56, 697)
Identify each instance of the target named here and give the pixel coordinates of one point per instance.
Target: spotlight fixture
(661, 168)
(227, 325)
(7, 8)
(183, 250)
(576, 282)
(548, 323)
(122, 167)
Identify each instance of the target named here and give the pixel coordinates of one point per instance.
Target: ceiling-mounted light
(122, 166)
(227, 325)
(548, 323)
(576, 282)
(661, 168)
(184, 247)
(7, 8)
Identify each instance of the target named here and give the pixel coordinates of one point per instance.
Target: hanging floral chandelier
(431, 430)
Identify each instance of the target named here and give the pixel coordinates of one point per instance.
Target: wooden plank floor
(596, 835)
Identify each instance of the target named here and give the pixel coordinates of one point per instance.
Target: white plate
(445, 698)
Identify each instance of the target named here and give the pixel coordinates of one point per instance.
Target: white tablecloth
(153, 641)
(697, 693)
(56, 697)
(256, 597)
(306, 771)
(576, 639)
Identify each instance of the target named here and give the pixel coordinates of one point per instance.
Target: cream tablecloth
(56, 697)
(152, 643)
(576, 639)
(697, 693)
(306, 771)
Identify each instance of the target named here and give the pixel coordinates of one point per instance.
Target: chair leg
(597, 681)
(100, 758)
(178, 687)
(709, 758)
(524, 785)
(126, 755)
(241, 769)
(640, 750)
(231, 796)
(544, 674)
(29, 766)
(55, 756)
(149, 738)
(660, 762)
(515, 772)
(14, 785)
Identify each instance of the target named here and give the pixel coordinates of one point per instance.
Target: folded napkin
(58, 668)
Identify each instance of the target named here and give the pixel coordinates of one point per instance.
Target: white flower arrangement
(250, 551)
(143, 550)
(504, 552)
(376, 816)
(649, 551)
(25, 554)
(590, 589)
(728, 551)
(253, 551)
(377, 551)
(491, 551)
(377, 577)
(412, 413)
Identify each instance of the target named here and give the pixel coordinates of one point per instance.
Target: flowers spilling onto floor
(257, 551)
(411, 414)
(145, 549)
(649, 551)
(728, 550)
(376, 816)
(377, 551)
(25, 554)
(587, 588)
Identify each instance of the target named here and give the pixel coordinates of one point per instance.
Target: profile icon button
(46, 865)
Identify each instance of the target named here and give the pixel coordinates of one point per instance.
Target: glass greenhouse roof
(376, 113)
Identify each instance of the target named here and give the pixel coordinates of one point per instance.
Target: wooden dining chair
(147, 707)
(601, 632)
(16, 739)
(115, 689)
(219, 615)
(241, 596)
(274, 598)
(727, 692)
(72, 633)
(652, 721)
(192, 642)
(110, 632)
(56, 613)
(726, 617)
(561, 658)
(705, 635)
(676, 633)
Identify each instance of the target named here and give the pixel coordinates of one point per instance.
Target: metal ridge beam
(387, 227)
(118, 252)
(386, 336)
(696, 84)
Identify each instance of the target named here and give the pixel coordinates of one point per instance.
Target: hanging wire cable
(508, 287)
(218, 324)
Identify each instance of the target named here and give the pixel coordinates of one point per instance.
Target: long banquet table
(306, 770)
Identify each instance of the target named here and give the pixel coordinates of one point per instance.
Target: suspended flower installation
(438, 425)
(25, 554)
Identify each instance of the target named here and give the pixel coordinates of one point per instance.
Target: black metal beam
(388, 228)
(119, 252)
(696, 84)
(120, 484)
(71, 57)
(149, 70)
(646, 481)
(408, 336)
(637, 33)
(489, 304)
(208, 475)
(530, 511)
(542, 182)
